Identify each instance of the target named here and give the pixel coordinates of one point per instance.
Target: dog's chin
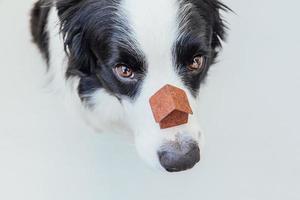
(147, 151)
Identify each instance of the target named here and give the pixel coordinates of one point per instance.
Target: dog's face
(124, 51)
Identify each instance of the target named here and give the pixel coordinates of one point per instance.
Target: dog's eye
(198, 63)
(124, 71)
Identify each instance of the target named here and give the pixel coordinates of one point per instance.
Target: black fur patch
(96, 40)
(39, 18)
(201, 36)
(86, 87)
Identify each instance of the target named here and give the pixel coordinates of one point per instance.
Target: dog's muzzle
(179, 155)
(170, 108)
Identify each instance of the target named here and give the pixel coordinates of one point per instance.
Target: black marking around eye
(96, 40)
(200, 34)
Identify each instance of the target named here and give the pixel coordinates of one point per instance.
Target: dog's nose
(179, 156)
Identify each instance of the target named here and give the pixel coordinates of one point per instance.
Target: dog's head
(124, 51)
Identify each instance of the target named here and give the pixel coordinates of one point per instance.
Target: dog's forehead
(155, 26)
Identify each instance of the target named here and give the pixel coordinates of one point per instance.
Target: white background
(250, 113)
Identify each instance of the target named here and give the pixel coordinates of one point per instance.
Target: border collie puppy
(113, 55)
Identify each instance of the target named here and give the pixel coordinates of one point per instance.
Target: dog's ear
(71, 27)
(211, 11)
(219, 27)
(80, 30)
(64, 6)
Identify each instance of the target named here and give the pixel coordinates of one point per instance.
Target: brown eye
(123, 71)
(198, 63)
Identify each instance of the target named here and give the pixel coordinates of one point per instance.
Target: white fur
(155, 28)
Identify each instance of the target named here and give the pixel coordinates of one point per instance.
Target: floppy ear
(38, 23)
(64, 6)
(219, 27)
(82, 24)
(71, 27)
(211, 11)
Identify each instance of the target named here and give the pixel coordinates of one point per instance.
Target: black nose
(179, 156)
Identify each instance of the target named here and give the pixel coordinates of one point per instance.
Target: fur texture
(84, 40)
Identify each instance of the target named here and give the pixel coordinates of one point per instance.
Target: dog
(111, 56)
